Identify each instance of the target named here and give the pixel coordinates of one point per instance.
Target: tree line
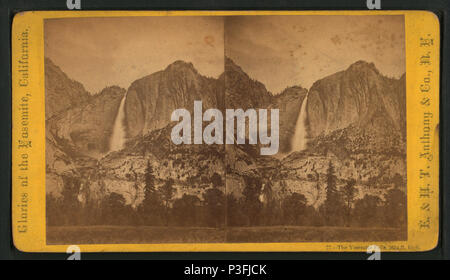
(258, 206)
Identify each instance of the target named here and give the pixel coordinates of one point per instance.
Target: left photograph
(113, 175)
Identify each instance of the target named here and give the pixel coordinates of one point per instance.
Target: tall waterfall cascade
(118, 135)
(299, 141)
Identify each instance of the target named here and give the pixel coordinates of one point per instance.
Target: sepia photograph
(225, 129)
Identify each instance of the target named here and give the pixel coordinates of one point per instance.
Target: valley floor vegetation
(221, 217)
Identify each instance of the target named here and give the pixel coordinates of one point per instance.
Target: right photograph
(340, 171)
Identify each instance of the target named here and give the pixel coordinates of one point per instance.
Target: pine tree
(349, 196)
(333, 204)
(149, 181)
(151, 205)
(167, 192)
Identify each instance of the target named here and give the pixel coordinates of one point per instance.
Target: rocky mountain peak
(355, 96)
(293, 91)
(61, 92)
(181, 65)
(363, 66)
(233, 67)
(51, 65)
(241, 90)
(152, 99)
(112, 91)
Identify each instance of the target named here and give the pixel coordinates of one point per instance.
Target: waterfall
(118, 136)
(299, 141)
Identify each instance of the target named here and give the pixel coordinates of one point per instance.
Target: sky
(100, 52)
(283, 51)
(279, 51)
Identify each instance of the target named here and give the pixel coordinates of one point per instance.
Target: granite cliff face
(74, 116)
(288, 103)
(240, 90)
(152, 99)
(89, 125)
(356, 96)
(356, 120)
(61, 92)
